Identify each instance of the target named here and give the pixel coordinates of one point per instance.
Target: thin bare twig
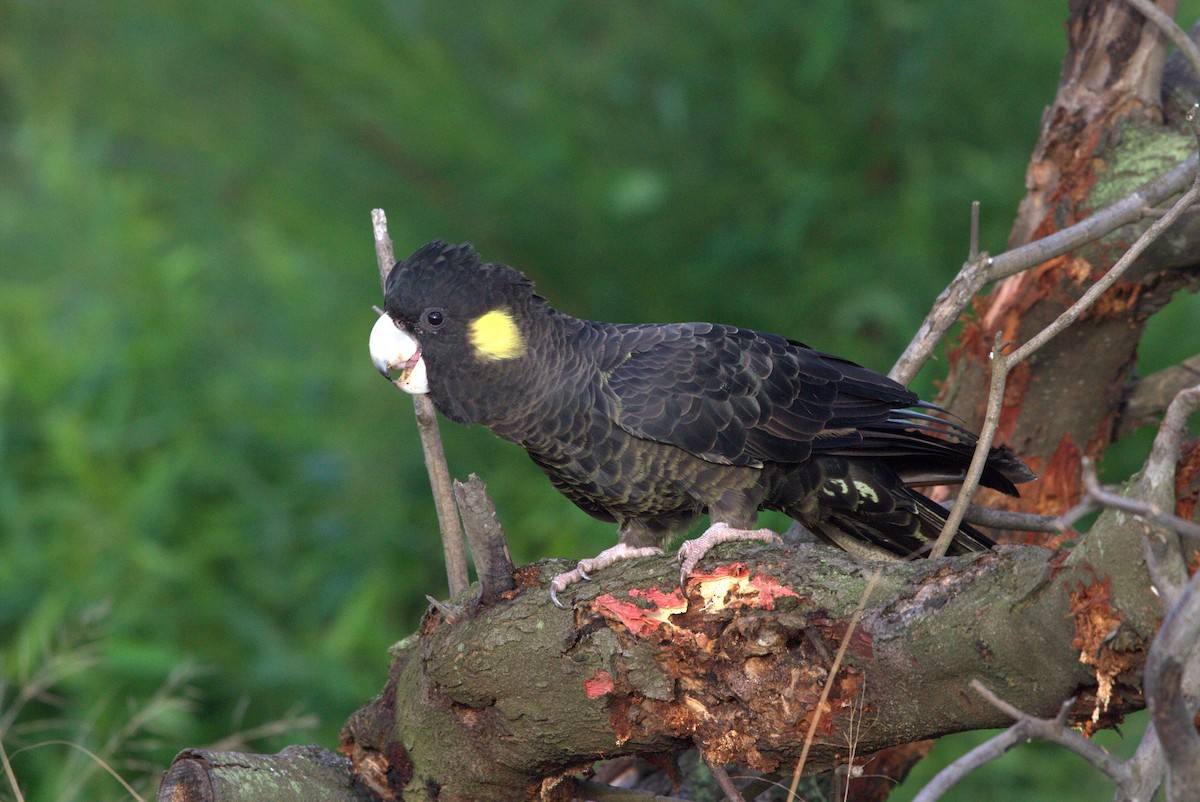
(1097, 497)
(973, 238)
(1054, 730)
(833, 670)
(975, 275)
(946, 309)
(1011, 519)
(431, 442)
(979, 459)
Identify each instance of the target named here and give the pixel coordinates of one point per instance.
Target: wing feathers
(738, 397)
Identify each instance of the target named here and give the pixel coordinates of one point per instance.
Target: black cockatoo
(650, 426)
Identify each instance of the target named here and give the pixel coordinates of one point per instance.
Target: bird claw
(585, 568)
(687, 563)
(692, 551)
(561, 582)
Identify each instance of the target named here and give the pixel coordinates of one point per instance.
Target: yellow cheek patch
(495, 336)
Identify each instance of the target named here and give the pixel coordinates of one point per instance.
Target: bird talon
(686, 563)
(561, 582)
(583, 574)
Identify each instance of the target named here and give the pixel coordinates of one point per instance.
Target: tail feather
(866, 500)
(927, 450)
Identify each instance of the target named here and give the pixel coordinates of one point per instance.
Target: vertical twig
(431, 442)
(987, 433)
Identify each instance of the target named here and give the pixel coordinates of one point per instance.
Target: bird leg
(693, 550)
(585, 568)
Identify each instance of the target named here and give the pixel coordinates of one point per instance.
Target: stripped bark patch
(643, 613)
(733, 585)
(1187, 481)
(598, 684)
(1101, 643)
(749, 666)
(768, 589)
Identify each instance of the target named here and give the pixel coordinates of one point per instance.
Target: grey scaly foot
(693, 550)
(589, 566)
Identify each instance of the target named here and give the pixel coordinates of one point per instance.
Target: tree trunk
(1101, 138)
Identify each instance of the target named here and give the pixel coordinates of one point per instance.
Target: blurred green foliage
(191, 433)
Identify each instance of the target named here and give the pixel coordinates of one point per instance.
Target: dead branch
(298, 772)
(987, 435)
(485, 536)
(979, 272)
(1027, 727)
(1011, 520)
(1099, 497)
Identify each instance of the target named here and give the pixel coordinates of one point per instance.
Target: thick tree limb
(524, 695)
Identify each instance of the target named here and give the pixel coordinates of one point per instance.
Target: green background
(214, 516)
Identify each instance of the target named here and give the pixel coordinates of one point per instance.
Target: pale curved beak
(392, 349)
